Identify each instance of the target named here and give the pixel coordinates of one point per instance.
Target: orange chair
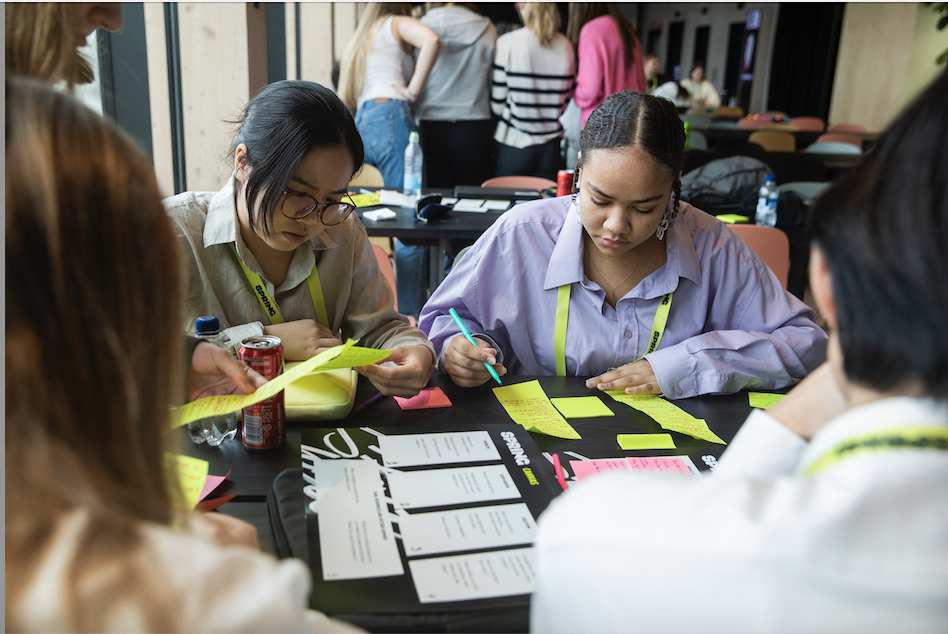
(520, 182)
(727, 112)
(770, 244)
(385, 265)
(774, 141)
(808, 124)
(779, 127)
(752, 124)
(833, 137)
(850, 128)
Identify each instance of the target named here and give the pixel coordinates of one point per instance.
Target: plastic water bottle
(413, 163)
(767, 203)
(215, 429)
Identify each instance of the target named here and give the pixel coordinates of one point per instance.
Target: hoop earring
(662, 227)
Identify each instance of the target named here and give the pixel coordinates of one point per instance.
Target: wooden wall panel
(316, 29)
(874, 51)
(157, 56)
(214, 85)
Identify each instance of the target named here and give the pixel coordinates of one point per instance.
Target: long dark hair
(93, 350)
(280, 125)
(884, 229)
(632, 119)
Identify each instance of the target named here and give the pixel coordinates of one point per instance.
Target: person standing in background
(379, 81)
(534, 70)
(456, 128)
(703, 92)
(610, 56)
(454, 106)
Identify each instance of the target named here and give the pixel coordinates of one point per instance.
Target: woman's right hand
(302, 339)
(464, 363)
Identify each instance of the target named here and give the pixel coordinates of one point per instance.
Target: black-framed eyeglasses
(297, 206)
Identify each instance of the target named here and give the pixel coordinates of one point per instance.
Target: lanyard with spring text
(930, 438)
(562, 317)
(269, 304)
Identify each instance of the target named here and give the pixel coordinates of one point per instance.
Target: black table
(447, 236)
(252, 472)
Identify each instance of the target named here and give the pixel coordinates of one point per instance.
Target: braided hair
(632, 119)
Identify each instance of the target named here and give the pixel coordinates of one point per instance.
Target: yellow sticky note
(732, 218)
(528, 405)
(581, 407)
(764, 400)
(645, 441)
(668, 415)
(365, 200)
(344, 356)
(192, 472)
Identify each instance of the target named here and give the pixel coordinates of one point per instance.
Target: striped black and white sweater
(530, 88)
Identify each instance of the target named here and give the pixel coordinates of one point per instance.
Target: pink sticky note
(209, 505)
(585, 468)
(211, 483)
(667, 464)
(428, 397)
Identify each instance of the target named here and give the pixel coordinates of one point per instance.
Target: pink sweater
(602, 70)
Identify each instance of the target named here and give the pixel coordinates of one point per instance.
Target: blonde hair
(40, 44)
(93, 354)
(352, 68)
(543, 19)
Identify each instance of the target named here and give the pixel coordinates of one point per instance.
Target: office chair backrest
(752, 124)
(851, 128)
(727, 111)
(774, 141)
(833, 147)
(519, 182)
(368, 176)
(770, 244)
(834, 137)
(808, 124)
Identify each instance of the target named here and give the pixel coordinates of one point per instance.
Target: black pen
(361, 406)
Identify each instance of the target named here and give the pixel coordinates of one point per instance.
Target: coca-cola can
(264, 422)
(564, 182)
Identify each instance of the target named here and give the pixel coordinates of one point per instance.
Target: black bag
(791, 209)
(724, 183)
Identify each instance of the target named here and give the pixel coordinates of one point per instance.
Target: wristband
(411, 95)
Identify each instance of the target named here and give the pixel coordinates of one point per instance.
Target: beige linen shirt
(359, 301)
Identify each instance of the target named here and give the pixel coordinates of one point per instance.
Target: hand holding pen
(470, 362)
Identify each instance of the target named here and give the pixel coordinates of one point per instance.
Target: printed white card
(447, 487)
(356, 540)
(466, 577)
(467, 529)
(412, 450)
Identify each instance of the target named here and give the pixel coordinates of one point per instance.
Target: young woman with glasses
(278, 251)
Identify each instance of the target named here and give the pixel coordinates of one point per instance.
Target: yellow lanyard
(907, 438)
(269, 304)
(562, 317)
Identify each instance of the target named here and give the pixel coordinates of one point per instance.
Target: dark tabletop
(252, 472)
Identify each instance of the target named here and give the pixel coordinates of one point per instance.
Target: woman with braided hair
(621, 281)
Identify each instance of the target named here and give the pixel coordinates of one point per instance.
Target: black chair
(737, 147)
(790, 167)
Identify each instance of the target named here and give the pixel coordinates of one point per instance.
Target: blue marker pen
(467, 335)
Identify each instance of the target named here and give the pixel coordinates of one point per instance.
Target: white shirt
(197, 585)
(758, 546)
(386, 64)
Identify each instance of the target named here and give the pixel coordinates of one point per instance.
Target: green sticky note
(732, 218)
(668, 415)
(581, 407)
(191, 472)
(646, 441)
(764, 400)
(365, 200)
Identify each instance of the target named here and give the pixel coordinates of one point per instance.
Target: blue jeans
(385, 128)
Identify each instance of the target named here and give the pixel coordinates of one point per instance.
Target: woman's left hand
(403, 91)
(410, 373)
(635, 378)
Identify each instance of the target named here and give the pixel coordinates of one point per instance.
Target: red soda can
(564, 182)
(264, 422)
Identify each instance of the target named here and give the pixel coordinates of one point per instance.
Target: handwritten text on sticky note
(528, 405)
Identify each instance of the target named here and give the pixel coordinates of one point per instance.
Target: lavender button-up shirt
(731, 325)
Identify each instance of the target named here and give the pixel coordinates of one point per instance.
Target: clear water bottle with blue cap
(413, 162)
(767, 203)
(215, 429)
